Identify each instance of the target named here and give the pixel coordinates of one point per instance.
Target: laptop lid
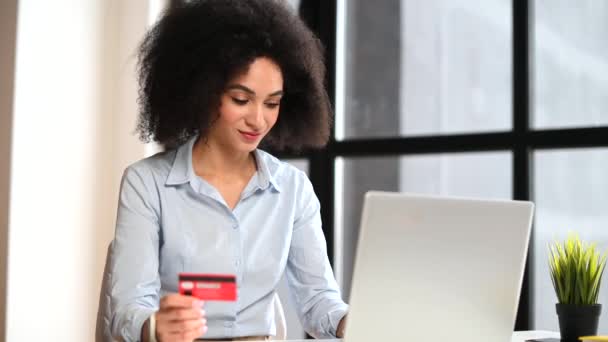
(438, 268)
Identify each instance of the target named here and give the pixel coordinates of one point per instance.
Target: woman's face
(249, 107)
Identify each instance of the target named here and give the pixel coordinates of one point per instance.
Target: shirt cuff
(334, 319)
(131, 331)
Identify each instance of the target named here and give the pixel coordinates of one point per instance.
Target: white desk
(518, 336)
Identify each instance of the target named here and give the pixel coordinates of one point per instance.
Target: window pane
(570, 63)
(422, 67)
(467, 174)
(294, 328)
(571, 193)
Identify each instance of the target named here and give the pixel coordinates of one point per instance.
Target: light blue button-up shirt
(172, 221)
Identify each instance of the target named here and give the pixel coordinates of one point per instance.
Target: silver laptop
(438, 269)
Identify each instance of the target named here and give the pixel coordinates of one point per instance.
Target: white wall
(72, 135)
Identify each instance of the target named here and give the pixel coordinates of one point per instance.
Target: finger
(195, 333)
(174, 337)
(176, 300)
(184, 337)
(181, 327)
(180, 314)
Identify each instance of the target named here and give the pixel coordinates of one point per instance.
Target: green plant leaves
(576, 271)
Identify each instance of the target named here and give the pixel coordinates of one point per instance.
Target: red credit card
(208, 286)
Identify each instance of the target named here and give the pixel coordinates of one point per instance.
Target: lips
(250, 136)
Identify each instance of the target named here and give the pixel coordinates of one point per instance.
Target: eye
(240, 102)
(272, 105)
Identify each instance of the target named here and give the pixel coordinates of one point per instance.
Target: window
(571, 192)
(570, 63)
(423, 67)
(494, 99)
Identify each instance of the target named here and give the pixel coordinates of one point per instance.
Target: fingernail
(204, 329)
(203, 321)
(197, 304)
(203, 312)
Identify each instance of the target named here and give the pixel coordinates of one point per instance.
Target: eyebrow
(247, 90)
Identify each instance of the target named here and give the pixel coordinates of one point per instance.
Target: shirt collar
(268, 170)
(183, 172)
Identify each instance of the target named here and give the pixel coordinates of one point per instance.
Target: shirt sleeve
(134, 282)
(309, 273)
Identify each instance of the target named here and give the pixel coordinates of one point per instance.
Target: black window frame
(522, 140)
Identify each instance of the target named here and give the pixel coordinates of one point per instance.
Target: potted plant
(576, 272)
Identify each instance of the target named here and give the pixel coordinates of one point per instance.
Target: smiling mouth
(250, 135)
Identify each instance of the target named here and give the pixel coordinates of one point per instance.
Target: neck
(209, 158)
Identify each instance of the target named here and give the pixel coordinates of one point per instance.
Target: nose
(255, 119)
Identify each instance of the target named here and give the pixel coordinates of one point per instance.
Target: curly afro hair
(187, 59)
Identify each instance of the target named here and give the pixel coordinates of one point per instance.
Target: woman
(218, 78)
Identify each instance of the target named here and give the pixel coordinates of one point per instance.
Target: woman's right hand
(180, 318)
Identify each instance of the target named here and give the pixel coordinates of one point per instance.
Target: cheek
(272, 117)
(230, 113)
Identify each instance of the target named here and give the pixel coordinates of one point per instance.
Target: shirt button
(228, 324)
(235, 226)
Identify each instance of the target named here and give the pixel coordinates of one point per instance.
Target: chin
(247, 147)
